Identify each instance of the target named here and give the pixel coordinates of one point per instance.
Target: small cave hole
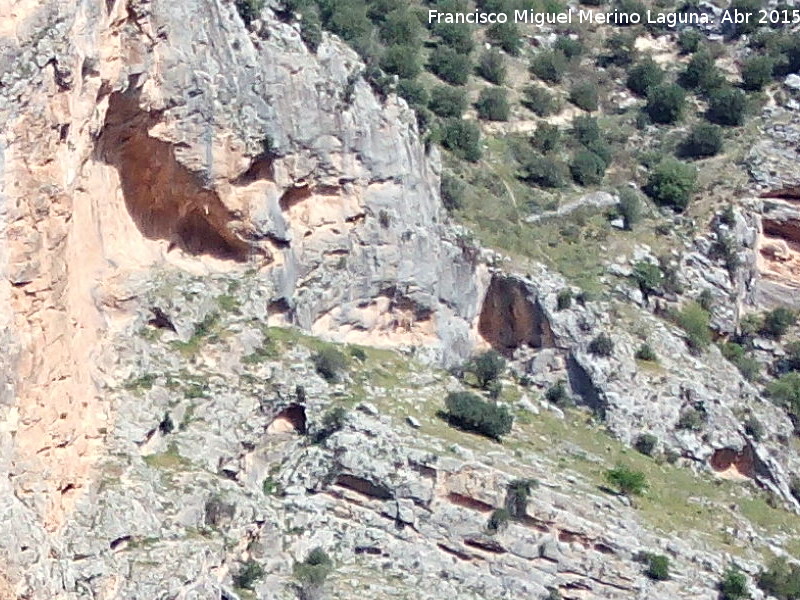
(291, 419)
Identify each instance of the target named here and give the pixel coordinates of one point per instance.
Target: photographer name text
(670, 19)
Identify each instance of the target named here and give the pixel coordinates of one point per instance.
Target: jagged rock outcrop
(167, 192)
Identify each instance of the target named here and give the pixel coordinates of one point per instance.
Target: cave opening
(291, 419)
(733, 463)
(509, 318)
(165, 200)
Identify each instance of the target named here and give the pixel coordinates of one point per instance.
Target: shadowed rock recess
(233, 305)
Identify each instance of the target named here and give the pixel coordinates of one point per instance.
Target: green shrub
(492, 104)
(539, 100)
(269, 486)
(586, 132)
(748, 366)
(543, 171)
(564, 299)
(733, 585)
(644, 76)
(449, 65)
(358, 353)
(791, 362)
(498, 520)
(487, 367)
(505, 35)
(401, 60)
(249, 9)
(569, 47)
(726, 106)
(754, 428)
(631, 7)
(401, 26)
(447, 101)
(350, 22)
(757, 72)
(777, 322)
(694, 320)
(620, 50)
(248, 574)
(672, 183)
(457, 36)
(546, 137)
(750, 23)
(786, 54)
(701, 73)
(468, 412)
(781, 580)
(492, 67)
(646, 444)
(626, 480)
(692, 419)
(312, 573)
(703, 140)
(602, 345)
(558, 395)
(629, 207)
(657, 567)
(785, 392)
(311, 29)
(549, 65)
(726, 248)
(648, 277)
(646, 353)
(584, 95)
(518, 493)
(452, 191)
(689, 41)
(332, 422)
(413, 92)
(462, 138)
(665, 103)
(587, 168)
(329, 363)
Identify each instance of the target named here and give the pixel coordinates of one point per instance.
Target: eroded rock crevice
(165, 200)
(510, 319)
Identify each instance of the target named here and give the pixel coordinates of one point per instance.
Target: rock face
(171, 185)
(133, 141)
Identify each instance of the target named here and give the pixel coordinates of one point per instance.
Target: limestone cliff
(173, 184)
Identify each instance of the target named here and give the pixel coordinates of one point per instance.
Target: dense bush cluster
(704, 139)
(665, 103)
(469, 412)
(492, 104)
(585, 95)
(781, 580)
(329, 363)
(672, 183)
(733, 585)
(645, 76)
(646, 444)
(492, 67)
(657, 567)
(312, 573)
(602, 345)
(462, 138)
(695, 321)
(487, 367)
(626, 481)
